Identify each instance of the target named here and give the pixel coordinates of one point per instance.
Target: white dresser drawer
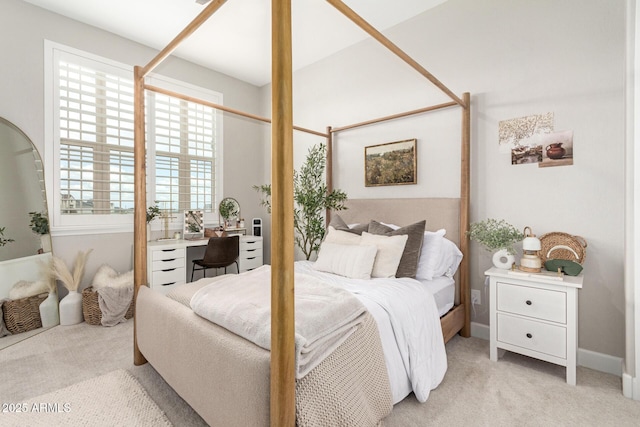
(533, 302)
(532, 335)
(165, 264)
(169, 253)
(250, 243)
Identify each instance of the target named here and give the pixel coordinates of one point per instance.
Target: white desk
(167, 260)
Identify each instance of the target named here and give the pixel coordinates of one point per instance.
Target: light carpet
(113, 399)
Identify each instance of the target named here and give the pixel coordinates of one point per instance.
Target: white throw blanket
(325, 315)
(114, 303)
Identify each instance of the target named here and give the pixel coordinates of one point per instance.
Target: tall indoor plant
(311, 200)
(496, 236)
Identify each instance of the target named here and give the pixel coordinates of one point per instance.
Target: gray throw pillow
(411, 255)
(339, 224)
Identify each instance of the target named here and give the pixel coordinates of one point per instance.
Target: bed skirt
(225, 378)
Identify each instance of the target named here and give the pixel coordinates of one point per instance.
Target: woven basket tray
(91, 308)
(558, 245)
(23, 314)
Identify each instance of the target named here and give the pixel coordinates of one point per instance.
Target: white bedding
(409, 325)
(443, 289)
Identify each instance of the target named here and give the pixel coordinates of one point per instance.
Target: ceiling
(236, 40)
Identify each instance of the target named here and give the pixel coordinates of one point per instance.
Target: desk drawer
(250, 263)
(166, 264)
(532, 335)
(250, 242)
(169, 253)
(533, 302)
(250, 253)
(167, 277)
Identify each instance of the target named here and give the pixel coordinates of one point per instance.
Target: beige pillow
(390, 250)
(409, 262)
(341, 237)
(354, 261)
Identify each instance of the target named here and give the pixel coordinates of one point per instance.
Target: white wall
(24, 29)
(516, 58)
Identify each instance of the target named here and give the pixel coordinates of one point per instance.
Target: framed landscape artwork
(393, 163)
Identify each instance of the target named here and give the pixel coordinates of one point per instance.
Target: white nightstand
(535, 315)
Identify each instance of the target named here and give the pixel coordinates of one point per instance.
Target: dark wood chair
(221, 252)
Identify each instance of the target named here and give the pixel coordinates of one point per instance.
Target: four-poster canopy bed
(280, 372)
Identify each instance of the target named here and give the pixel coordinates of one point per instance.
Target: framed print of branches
(393, 163)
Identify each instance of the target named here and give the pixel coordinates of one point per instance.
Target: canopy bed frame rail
(282, 385)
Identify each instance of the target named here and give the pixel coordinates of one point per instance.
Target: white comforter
(325, 315)
(407, 318)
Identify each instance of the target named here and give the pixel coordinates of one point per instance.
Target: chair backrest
(222, 251)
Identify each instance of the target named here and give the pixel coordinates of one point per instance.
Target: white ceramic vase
(503, 259)
(49, 311)
(71, 309)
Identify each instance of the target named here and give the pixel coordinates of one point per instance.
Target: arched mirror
(25, 243)
(229, 211)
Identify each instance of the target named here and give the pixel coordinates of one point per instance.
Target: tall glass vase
(71, 309)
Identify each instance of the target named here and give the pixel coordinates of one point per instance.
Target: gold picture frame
(392, 163)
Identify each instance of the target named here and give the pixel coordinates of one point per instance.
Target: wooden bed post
(329, 171)
(282, 244)
(140, 201)
(465, 197)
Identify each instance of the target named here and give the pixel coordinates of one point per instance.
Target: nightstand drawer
(532, 335)
(533, 302)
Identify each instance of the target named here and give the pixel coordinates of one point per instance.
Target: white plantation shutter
(93, 143)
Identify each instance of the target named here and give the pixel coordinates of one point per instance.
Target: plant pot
(503, 259)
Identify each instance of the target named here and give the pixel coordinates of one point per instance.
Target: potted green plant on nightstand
(496, 236)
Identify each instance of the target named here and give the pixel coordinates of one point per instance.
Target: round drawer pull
(529, 302)
(529, 335)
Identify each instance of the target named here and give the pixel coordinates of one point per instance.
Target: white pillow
(353, 261)
(390, 249)
(431, 254)
(451, 258)
(341, 237)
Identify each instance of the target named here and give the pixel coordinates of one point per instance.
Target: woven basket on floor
(558, 245)
(23, 314)
(91, 308)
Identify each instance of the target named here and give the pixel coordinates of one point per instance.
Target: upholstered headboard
(438, 212)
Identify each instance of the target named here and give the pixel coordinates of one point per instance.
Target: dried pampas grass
(46, 273)
(71, 281)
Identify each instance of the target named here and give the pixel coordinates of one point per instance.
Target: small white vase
(71, 309)
(503, 259)
(49, 311)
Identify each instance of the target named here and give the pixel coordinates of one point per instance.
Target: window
(91, 163)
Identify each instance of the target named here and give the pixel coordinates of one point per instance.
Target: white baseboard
(587, 358)
(630, 386)
(478, 330)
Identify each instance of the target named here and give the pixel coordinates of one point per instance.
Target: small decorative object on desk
(497, 236)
